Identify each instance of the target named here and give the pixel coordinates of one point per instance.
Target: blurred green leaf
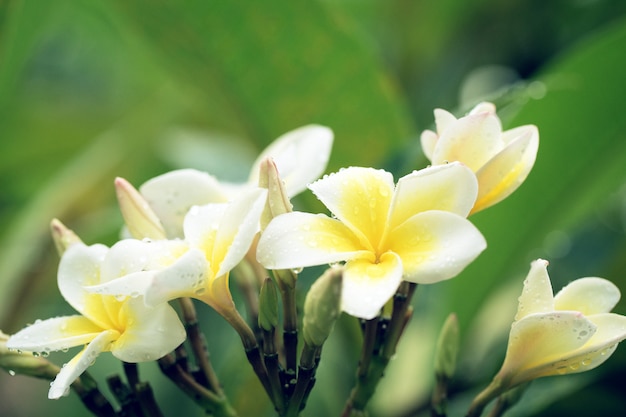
(262, 71)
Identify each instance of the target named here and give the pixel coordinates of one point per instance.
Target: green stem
(379, 345)
(306, 373)
(211, 403)
(479, 403)
(270, 356)
(199, 347)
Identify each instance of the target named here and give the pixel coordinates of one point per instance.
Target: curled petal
(74, 368)
(451, 187)
(435, 246)
(472, 140)
(368, 285)
(80, 267)
(298, 239)
(542, 339)
(151, 333)
(428, 140)
(54, 334)
(181, 279)
(588, 295)
(129, 256)
(171, 195)
(507, 170)
(360, 198)
(443, 120)
(301, 156)
(238, 229)
(537, 293)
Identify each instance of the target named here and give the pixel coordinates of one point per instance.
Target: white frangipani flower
(301, 156)
(123, 325)
(501, 160)
(416, 231)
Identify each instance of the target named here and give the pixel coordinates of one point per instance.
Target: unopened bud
(268, 305)
(322, 307)
(277, 201)
(447, 348)
(62, 236)
(140, 219)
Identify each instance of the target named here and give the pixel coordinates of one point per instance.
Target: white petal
(80, 267)
(172, 194)
(367, 286)
(451, 187)
(428, 141)
(74, 368)
(238, 229)
(301, 156)
(544, 339)
(296, 239)
(435, 246)
(360, 198)
(507, 170)
(443, 120)
(54, 334)
(129, 256)
(185, 278)
(484, 107)
(181, 279)
(537, 295)
(588, 295)
(472, 140)
(152, 332)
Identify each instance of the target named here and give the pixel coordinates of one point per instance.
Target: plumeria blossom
(416, 231)
(571, 332)
(501, 160)
(124, 326)
(301, 156)
(217, 237)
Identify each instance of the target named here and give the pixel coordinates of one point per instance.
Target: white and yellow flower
(217, 237)
(415, 231)
(301, 156)
(124, 326)
(571, 332)
(501, 160)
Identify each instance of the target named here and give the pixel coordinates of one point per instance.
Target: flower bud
(140, 219)
(447, 348)
(268, 305)
(62, 236)
(322, 307)
(277, 201)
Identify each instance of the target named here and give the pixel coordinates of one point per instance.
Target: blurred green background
(93, 89)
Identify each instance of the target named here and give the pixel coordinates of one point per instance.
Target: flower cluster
(188, 231)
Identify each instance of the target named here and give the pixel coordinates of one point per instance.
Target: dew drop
(297, 270)
(561, 370)
(574, 366)
(586, 362)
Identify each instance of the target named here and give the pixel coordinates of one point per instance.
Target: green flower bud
(62, 236)
(277, 200)
(139, 217)
(322, 306)
(268, 305)
(447, 348)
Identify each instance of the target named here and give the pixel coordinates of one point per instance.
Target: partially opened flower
(301, 156)
(217, 237)
(501, 160)
(124, 326)
(571, 332)
(415, 231)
